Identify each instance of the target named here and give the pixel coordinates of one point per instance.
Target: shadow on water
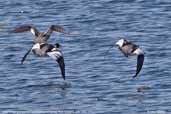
(51, 85)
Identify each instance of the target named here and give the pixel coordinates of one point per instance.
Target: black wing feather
(140, 61)
(62, 66)
(23, 59)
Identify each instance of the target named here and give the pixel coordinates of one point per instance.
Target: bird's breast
(38, 52)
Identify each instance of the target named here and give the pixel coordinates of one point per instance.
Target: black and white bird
(130, 49)
(53, 51)
(38, 37)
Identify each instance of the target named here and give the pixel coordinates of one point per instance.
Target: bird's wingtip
(134, 76)
(63, 77)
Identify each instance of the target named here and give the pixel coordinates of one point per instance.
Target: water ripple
(96, 81)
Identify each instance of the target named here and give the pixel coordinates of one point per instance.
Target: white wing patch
(138, 51)
(55, 54)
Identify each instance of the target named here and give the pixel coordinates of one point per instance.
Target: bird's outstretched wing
(57, 28)
(140, 61)
(25, 28)
(57, 56)
(23, 59)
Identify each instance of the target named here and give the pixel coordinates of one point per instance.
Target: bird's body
(52, 51)
(42, 49)
(41, 38)
(130, 49)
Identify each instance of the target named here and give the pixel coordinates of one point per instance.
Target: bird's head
(120, 42)
(57, 45)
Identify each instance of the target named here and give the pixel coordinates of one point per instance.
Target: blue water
(96, 82)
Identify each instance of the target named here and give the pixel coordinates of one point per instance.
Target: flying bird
(38, 37)
(130, 49)
(53, 51)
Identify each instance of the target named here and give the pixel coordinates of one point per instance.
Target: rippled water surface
(96, 82)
